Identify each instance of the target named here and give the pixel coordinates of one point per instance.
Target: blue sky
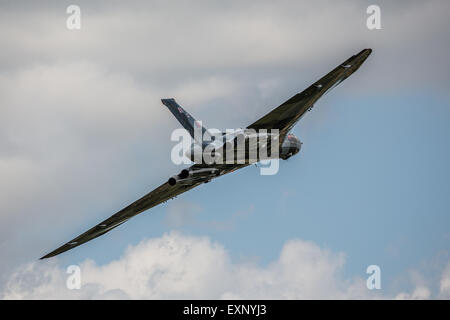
(84, 134)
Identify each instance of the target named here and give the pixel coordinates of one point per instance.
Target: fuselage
(243, 146)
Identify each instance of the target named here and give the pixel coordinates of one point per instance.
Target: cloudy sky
(83, 134)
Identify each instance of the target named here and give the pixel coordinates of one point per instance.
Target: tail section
(186, 120)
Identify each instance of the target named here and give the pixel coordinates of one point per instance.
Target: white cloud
(419, 293)
(444, 287)
(179, 266)
(200, 91)
(177, 41)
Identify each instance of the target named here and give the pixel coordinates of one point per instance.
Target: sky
(83, 134)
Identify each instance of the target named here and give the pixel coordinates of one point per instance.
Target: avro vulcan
(281, 119)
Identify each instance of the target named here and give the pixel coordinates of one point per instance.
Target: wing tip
(46, 256)
(167, 100)
(364, 54)
(52, 254)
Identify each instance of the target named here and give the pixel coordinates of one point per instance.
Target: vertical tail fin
(186, 120)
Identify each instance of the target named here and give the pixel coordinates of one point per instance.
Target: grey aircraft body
(282, 118)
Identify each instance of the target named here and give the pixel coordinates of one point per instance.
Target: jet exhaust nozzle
(172, 181)
(184, 174)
